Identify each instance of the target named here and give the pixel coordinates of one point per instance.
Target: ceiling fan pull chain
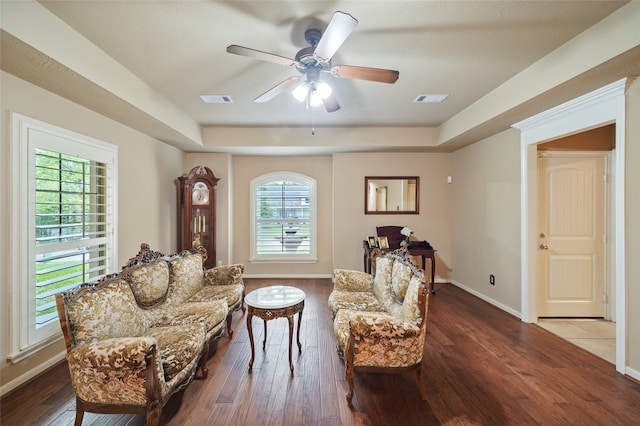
(313, 122)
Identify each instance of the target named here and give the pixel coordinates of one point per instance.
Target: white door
(571, 234)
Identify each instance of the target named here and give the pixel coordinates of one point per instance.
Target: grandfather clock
(197, 212)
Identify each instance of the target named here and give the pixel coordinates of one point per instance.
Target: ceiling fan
(315, 60)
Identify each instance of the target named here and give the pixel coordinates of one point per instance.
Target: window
(283, 218)
(63, 224)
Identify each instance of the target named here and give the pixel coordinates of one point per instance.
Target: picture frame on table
(383, 243)
(372, 242)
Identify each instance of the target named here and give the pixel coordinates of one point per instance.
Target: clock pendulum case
(197, 212)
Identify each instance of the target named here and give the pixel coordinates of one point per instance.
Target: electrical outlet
(492, 279)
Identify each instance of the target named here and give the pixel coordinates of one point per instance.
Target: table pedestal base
(269, 314)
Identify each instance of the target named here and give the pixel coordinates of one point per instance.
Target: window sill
(25, 353)
(283, 260)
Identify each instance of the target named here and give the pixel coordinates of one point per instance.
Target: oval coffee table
(272, 302)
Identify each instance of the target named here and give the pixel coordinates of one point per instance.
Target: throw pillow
(400, 276)
(149, 283)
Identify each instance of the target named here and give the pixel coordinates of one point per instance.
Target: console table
(417, 248)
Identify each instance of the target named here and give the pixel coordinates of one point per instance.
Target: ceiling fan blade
(339, 28)
(331, 103)
(364, 73)
(258, 54)
(276, 90)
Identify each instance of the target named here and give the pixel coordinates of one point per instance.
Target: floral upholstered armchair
(380, 322)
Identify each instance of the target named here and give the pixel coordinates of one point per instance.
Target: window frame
(26, 338)
(285, 257)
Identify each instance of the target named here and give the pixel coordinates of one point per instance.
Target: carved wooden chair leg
(349, 376)
(423, 392)
(340, 351)
(229, 330)
(154, 411)
(79, 412)
(154, 407)
(202, 364)
(350, 369)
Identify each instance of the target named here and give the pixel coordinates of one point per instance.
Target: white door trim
(600, 107)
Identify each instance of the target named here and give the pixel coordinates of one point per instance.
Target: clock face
(200, 194)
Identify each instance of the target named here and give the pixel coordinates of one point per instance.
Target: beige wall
(352, 226)
(632, 200)
(486, 218)
(344, 191)
(341, 184)
(146, 203)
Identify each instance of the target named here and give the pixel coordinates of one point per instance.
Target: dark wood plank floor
(482, 366)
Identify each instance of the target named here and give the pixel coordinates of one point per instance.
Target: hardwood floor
(482, 366)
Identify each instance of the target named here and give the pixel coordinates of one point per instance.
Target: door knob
(544, 247)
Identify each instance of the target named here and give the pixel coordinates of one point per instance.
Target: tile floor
(594, 335)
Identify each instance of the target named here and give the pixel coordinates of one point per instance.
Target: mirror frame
(367, 179)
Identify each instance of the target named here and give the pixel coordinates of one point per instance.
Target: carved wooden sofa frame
(147, 362)
(103, 352)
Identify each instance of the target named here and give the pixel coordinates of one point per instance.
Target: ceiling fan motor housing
(312, 35)
(306, 62)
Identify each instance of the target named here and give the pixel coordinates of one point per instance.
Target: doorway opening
(596, 109)
(573, 286)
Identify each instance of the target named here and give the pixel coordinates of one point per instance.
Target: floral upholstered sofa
(137, 337)
(380, 321)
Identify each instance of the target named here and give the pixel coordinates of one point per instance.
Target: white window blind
(70, 226)
(284, 217)
(63, 224)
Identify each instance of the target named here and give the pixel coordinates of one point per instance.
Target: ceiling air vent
(430, 99)
(216, 99)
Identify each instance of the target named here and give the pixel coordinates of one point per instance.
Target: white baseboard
(495, 303)
(634, 374)
(38, 369)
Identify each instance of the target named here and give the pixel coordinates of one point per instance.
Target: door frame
(600, 107)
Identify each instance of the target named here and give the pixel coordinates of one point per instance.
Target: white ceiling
(464, 49)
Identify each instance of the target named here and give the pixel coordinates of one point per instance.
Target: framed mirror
(391, 195)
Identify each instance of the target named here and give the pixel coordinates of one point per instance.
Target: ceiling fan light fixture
(323, 90)
(301, 91)
(316, 92)
(314, 98)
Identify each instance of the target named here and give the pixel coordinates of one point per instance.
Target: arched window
(283, 218)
